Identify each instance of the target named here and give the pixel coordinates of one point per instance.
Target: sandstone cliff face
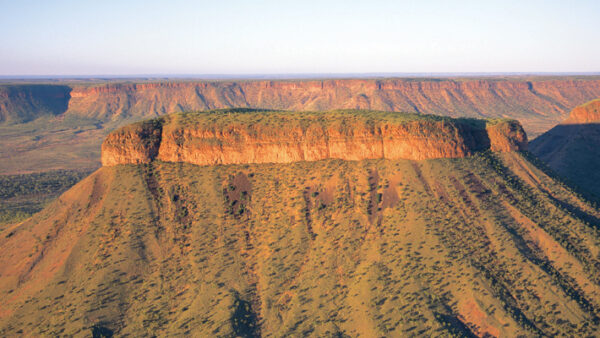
(506, 136)
(136, 143)
(211, 140)
(586, 113)
(259, 144)
(539, 104)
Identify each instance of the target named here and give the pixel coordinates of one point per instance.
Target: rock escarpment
(586, 113)
(538, 103)
(282, 137)
(506, 135)
(137, 143)
(96, 108)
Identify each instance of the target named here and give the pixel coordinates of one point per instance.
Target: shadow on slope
(573, 151)
(23, 103)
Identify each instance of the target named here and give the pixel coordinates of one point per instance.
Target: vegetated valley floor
(23, 195)
(484, 244)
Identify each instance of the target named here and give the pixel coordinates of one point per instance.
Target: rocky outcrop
(506, 136)
(136, 143)
(222, 138)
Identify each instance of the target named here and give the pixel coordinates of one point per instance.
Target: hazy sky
(83, 37)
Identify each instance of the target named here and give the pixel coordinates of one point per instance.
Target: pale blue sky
(83, 37)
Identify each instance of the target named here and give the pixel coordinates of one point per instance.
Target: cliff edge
(585, 113)
(247, 136)
(538, 103)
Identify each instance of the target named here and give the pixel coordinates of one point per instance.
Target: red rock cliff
(136, 143)
(207, 139)
(586, 113)
(538, 103)
(506, 136)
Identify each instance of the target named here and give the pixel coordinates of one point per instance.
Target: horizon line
(265, 76)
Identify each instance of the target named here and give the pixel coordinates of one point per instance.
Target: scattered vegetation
(454, 247)
(23, 195)
(275, 118)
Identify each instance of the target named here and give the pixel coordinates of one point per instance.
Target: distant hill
(478, 244)
(572, 148)
(68, 134)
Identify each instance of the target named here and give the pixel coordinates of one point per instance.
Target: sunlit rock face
(585, 113)
(275, 138)
(539, 104)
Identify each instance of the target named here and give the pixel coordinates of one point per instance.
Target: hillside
(571, 148)
(481, 244)
(70, 137)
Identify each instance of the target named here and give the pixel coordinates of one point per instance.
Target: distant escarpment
(538, 103)
(70, 138)
(240, 136)
(571, 148)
